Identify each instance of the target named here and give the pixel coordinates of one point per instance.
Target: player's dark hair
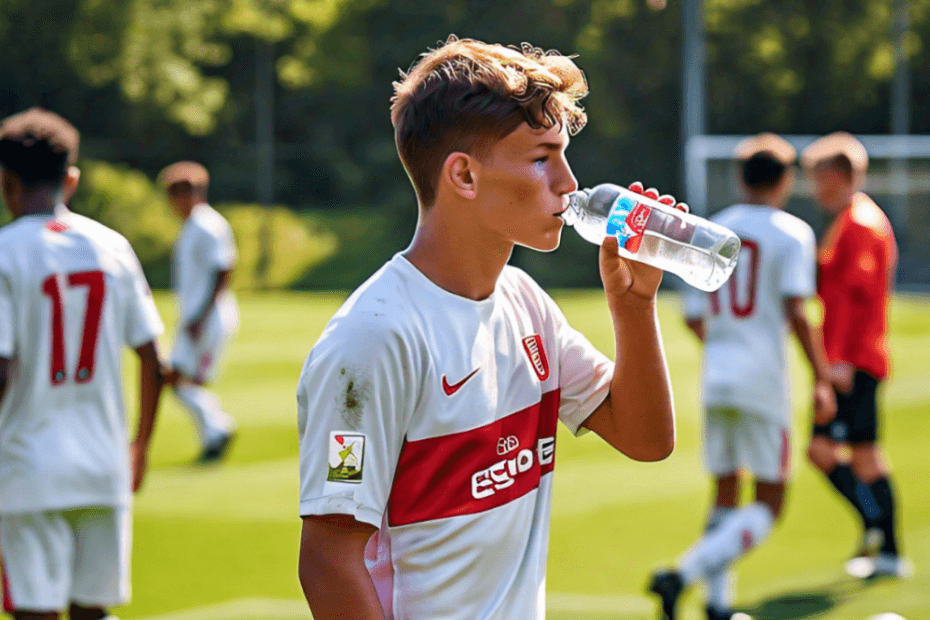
(763, 171)
(467, 95)
(38, 146)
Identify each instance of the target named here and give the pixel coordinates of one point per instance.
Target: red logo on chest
(534, 350)
(54, 226)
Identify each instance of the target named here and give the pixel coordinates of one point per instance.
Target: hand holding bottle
(652, 229)
(623, 277)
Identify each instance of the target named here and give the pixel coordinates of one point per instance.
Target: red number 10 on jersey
(742, 303)
(96, 292)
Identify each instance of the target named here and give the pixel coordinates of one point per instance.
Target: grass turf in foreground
(221, 543)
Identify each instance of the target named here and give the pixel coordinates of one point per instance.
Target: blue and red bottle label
(627, 222)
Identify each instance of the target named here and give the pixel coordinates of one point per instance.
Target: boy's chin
(549, 243)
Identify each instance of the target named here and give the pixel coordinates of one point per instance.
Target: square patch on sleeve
(346, 457)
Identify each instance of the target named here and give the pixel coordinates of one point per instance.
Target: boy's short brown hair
(466, 95)
(840, 151)
(185, 176)
(38, 146)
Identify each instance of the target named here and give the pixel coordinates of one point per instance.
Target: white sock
(209, 418)
(719, 584)
(738, 533)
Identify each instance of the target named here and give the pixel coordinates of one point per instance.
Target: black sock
(881, 496)
(843, 479)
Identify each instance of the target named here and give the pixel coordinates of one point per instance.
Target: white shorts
(52, 559)
(199, 360)
(734, 439)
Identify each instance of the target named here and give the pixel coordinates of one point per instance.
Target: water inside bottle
(700, 252)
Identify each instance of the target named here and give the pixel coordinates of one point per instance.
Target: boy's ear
(12, 190)
(459, 170)
(70, 184)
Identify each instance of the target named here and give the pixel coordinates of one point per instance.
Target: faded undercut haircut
(467, 95)
(38, 146)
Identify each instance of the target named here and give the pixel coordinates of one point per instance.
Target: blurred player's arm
(811, 339)
(4, 375)
(150, 384)
(863, 277)
(332, 568)
(638, 415)
(695, 306)
(220, 283)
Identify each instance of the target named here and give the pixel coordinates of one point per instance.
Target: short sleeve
(355, 398)
(7, 318)
(584, 372)
(799, 270)
(220, 250)
(143, 323)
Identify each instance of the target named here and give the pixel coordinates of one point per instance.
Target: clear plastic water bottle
(699, 251)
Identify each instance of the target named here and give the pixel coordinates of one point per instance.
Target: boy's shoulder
(205, 218)
(772, 224)
(384, 302)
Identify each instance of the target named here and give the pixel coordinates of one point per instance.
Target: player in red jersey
(857, 259)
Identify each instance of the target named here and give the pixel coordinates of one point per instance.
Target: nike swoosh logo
(452, 389)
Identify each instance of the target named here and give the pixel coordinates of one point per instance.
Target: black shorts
(856, 413)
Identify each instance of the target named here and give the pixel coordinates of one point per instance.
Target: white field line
(286, 609)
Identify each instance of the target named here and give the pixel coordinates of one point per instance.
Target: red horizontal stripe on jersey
(476, 470)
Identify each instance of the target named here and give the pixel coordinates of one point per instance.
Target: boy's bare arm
(332, 569)
(811, 339)
(150, 385)
(696, 326)
(638, 416)
(4, 375)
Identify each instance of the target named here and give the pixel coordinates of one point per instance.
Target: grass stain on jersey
(353, 402)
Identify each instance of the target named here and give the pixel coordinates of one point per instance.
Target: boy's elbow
(653, 451)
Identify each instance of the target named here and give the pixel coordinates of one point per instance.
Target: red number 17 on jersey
(96, 291)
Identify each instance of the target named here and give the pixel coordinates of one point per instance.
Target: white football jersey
(433, 417)
(72, 295)
(204, 247)
(746, 328)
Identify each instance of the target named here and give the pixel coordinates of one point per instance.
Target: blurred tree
(152, 81)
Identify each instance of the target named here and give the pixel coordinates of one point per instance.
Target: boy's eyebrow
(552, 146)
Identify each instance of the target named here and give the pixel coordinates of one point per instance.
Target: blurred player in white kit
(208, 315)
(72, 295)
(744, 328)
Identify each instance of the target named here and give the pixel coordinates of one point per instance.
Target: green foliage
(127, 201)
(153, 81)
(159, 54)
(130, 203)
(365, 242)
(295, 245)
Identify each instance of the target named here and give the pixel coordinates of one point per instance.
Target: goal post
(898, 180)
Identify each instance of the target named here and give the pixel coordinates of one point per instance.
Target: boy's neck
(457, 259)
(41, 202)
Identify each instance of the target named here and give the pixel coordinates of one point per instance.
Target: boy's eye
(541, 160)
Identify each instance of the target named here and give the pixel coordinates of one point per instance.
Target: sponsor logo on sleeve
(346, 457)
(534, 350)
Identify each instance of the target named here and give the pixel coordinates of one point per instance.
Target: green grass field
(221, 543)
